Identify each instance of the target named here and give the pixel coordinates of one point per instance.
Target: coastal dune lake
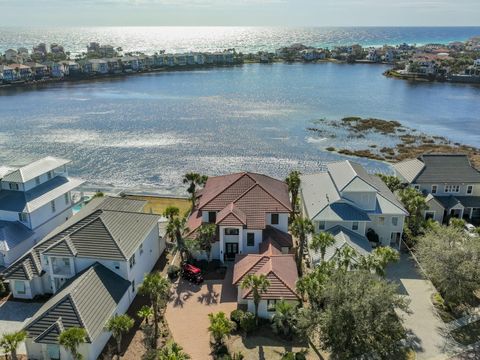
(144, 132)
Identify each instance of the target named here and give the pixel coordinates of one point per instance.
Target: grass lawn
(467, 334)
(158, 204)
(263, 344)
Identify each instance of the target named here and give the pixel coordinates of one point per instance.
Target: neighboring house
(39, 70)
(7, 73)
(99, 66)
(93, 265)
(34, 200)
(11, 55)
(357, 208)
(22, 72)
(280, 270)
(247, 208)
(450, 183)
(130, 63)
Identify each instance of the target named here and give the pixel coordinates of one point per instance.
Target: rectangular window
(116, 265)
(381, 220)
(355, 225)
(132, 261)
(49, 175)
(416, 187)
(250, 239)
(271, 305)
(452, 188)
(23, 217)
(231, 231)
(13, 186)
(274, 219)
(37, 180)
(321, 225)
(52, 205)
(141, 249)
(212, 217)
(133, 286)
(469, 189)
(20, 287)
(394, 221)
(395, 239)
(67, 198)
(429, 215)
(434, 189)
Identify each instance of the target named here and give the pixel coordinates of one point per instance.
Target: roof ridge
(269, 193)
(114, 240)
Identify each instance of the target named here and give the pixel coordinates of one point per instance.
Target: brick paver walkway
(187, 312)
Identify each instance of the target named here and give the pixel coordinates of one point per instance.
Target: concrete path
(14, 315)
(427, 332)
(187, 312)
(473, 317)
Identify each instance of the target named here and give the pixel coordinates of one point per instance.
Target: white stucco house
(450, 183)
(357, 208)
(93, 265)
(34, 200)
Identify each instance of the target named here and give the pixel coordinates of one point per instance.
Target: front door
(231, 249)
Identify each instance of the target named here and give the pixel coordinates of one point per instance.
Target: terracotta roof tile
(231, 216)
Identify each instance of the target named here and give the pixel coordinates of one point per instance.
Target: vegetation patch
(468, 334)
(158, 204)
(383, 126)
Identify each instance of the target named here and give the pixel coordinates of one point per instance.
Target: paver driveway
(187, 312)
(426, 328)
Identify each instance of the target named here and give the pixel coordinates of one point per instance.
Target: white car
(470, 229)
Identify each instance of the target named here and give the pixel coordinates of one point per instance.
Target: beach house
(355, 207)
(247, 208)
(34, 200)
(93, 265)
(450, 183)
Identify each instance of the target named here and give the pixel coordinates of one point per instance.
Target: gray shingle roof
(29, 201)
(344, 237)
(34, 169)
(92, 233)
(450, 201)
(88, 300)
(317, 191)
(342, 212)
(409, 169)
(344, 172)
(442, 168)
(385, 198)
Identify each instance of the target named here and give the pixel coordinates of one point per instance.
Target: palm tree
(293, 183)
(194, 180)
(314, 283)
(301, 228)
(414, 203)
(144, 313)
(171, 212)
(119, 325)
(71, 339)
(283, 321)
(175, 230)
(321, 241)
(220, 327)
(157, 288)
(172, 351)
(10, 341)
(379, 259)
(259, 285)
(346, 258)
(206, 235)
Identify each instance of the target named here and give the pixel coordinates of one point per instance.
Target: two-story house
(34, 200)
(357, 208)
(93, 265)
(450, 183)
(251, 214)
(246, 208)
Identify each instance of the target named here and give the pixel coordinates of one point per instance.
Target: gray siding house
(357, 208)
(450, 183)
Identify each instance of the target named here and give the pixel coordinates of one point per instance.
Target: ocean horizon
(150, 39)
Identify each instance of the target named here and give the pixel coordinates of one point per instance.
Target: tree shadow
(210, 296)
(183, 291)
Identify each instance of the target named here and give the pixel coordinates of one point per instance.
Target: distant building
(11, 55)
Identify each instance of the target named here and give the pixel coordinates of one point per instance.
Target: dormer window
(469, 189)
(23, 217)
(132, 261)
(355, 225)
(49, 175)
(452, 188)
(212, 217)
(52, 205)
(434, 189)
(321, 225)
(37, 180)
(13, 186)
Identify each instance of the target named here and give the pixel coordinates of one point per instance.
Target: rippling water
(145, 131)
(247, 39)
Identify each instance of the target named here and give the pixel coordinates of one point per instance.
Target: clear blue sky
(241, 12)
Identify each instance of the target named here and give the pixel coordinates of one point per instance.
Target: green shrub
(236, 316)
(173, 271)
(248, 323)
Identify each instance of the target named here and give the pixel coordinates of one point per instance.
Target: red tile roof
(280, 270)
(243, 199)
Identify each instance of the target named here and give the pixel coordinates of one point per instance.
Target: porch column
(222, 246)
(240, 240)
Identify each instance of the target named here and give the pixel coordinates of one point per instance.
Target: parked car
(192, 273)
(470, 229)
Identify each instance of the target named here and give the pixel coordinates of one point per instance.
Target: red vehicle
(192, 273)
